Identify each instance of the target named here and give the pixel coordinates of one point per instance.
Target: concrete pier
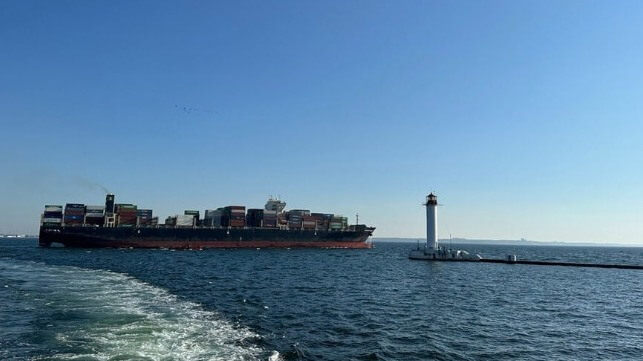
(537, 263)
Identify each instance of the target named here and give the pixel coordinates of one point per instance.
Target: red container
(237, 223)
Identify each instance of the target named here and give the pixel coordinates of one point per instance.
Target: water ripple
(331, 305)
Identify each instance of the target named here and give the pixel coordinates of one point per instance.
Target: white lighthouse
(432, 251)
(431, 222)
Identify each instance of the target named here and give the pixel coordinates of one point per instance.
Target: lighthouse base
(442, 254)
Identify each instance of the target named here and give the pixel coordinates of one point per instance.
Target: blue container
(147, 213)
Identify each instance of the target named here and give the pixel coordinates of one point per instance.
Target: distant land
(505, 242)
(17, 236)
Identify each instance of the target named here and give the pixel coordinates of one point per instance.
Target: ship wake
(67, 313)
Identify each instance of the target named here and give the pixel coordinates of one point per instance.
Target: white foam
(105, 315)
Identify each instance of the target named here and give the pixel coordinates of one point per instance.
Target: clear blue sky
(526, 117)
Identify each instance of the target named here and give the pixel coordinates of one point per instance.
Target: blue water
(111, 304)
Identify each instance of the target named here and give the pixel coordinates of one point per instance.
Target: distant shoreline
(492, 242)
(504, 242)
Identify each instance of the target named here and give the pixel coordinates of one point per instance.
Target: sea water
(316, 304)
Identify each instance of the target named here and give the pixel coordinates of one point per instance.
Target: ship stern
(49, 235)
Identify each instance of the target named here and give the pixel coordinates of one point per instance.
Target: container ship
(124, 225)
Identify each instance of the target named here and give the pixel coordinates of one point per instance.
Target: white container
(184, 220)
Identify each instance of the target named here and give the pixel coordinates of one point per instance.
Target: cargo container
(254, 217)
(294, 216)
(185, 220)
(269, 223)
(309, 222)
(146, 213)
(170, 221)
(232, 222)
(75, 211)
(233, 216)
(75, 214)
(144, 217)
(74, 206)
(94, 211)
(294, 225)
(53, 214)
(309, 225)
(237, 223)
(213, 218)
(195, 214)
(125, 207)
(73, 219)
(129, 221)
(235, 210)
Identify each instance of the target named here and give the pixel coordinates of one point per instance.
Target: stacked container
(144, 217)
(95, 215)
(74, 214)
(195, 214)
(294, 219)
(208, 218)
(170, 221)
(213, 218)
(269, 219)
(327, 219)
(308, 222)
(234, 216)
(320, 220)
(126, 215)
(185, 220)
(338, 223)
(254, 217)
(53, 215)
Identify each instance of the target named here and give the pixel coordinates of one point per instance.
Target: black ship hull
(200, 238)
